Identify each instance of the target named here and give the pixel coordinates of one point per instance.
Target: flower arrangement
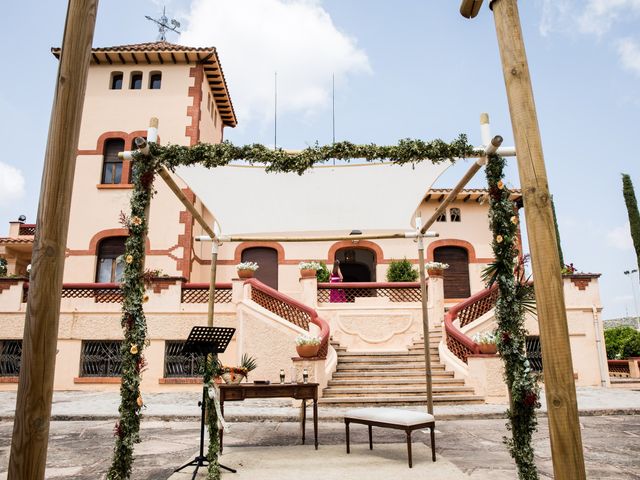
(253, 266)
(436, 266)
(569, 269)
(235, 374)
(308, 340)
(485, 338)
(310, 266)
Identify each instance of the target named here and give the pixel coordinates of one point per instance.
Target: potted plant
(401, 271)
(435, 268)
(247, 269)
(236, 374)
(322, 274)
(309, 269)
(307, 345)
(487, 342)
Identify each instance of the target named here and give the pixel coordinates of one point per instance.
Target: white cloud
(554, 14)
(620, 237)
(599, 15)
(255, 38)
(629, 53)
(11, 184)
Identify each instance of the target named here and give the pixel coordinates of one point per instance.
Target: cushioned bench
(399, 419)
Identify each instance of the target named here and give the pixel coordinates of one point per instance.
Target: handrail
(459, 343)
(206, 285)
(292, 303)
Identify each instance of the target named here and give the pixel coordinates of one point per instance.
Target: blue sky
(403, 69)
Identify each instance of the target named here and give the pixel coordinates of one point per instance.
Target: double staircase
(394, 378)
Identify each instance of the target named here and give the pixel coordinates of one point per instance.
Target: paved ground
(467, 449)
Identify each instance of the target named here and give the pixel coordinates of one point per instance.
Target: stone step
(342, 367)
(375, 359)
(416, 400)
(413, 382)
(394, 391)
(388, 375)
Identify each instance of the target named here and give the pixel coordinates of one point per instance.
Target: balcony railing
(199, 293)
(27, 229)
(349, 291)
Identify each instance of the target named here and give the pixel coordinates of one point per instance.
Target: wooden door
(456, 277)
(267, 260)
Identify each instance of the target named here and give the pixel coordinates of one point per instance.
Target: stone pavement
(466, 449)
(82, 405)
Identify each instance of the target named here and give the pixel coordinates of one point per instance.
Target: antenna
(275, 110)
(163, 25)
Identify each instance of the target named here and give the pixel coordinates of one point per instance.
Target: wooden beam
(466, 199)
(480, 198)
(564, 427)
(173, 58)
(146, 57)
(427, 198)
(39, 345)
(95, 58)
(134, 58)
(160, 58)
(441, 197)
(122, 60)
(108, 57)
(425, 325)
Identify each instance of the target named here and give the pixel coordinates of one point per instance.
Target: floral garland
(513, 301)
(133, 321)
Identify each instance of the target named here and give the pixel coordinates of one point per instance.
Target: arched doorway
(357, 264)
(456, 277)
(267, 259)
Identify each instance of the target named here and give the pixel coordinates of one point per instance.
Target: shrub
(322, 274)
(3, 267)
(622, 342)
(401, 271)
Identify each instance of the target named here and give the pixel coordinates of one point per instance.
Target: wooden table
(298, 391)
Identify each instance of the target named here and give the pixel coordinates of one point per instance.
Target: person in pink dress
(336, 295)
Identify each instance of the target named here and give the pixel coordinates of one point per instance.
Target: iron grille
(101, 358)
(178, 364)
(10, 352)
(534, 352)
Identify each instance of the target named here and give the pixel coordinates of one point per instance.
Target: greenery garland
(221, 154)
(515, 297)
(133, 321)
(134, 325)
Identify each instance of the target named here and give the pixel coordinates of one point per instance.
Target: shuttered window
(267, 260)
(456, 277)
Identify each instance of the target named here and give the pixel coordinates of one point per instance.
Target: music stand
(205, 341)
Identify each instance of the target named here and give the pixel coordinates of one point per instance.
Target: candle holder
(305, 376)
(282, 375)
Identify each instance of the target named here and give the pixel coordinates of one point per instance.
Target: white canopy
(377, 196)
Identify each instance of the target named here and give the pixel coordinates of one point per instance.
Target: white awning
(377, 196)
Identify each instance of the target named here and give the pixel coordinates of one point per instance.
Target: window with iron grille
(101, 358)
(534, 352)
(454, 213)
(10, 352)
(178, 364)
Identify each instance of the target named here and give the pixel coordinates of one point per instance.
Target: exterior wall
(210, 121)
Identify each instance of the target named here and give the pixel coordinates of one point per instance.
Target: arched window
(110, 266)
(155, 80)
(442, 217)
(111, 164)
(454, 214)
(456, 277)
(267, 260)
(116, 81)
(136, 81)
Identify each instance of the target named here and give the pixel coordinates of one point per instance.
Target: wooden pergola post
(35, 389)
(564, 427)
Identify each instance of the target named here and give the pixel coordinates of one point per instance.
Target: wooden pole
(35, 389)
(425, 325)
(212, 285)
(564, 428)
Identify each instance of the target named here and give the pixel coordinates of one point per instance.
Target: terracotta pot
(435, 272)
(246, 273)
(488, 348)
(307, 351)
(307, 273)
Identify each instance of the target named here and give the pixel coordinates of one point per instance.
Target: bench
(396, 418)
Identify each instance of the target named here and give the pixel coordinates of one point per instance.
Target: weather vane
(163, 25)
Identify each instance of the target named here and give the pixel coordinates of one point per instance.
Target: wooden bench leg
(433, 443)
(409, 448)
(346, 426)
(370, 438)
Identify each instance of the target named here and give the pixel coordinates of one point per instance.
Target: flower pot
(246, 273)
(232, 377)
(307, 351)
(307, 273)
(435, 272)
(488, 348)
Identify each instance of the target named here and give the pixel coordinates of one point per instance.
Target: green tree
(555, 224)
(632, 210)
(402, 271)
(3, 267)
(622, 342)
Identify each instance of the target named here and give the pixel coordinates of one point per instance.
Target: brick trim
(192, 131)
(97, 380)
(127, 137)
(453, 242)
(9, 379)
(7, 283)
(185, 240)
(180, 381)
(362, 244)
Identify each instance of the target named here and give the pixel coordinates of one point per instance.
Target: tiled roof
(165, 52)
(12, 240)
(477, 194)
